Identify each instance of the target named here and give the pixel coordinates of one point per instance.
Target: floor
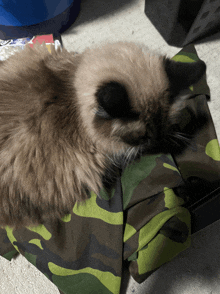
(196, 270)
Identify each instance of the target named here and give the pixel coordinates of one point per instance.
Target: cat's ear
(183, 75)
(113, 101)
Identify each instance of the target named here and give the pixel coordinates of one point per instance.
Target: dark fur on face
(65, 118)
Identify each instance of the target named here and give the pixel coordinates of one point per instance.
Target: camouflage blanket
(144, 223)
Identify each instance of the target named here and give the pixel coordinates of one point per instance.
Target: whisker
(130, 155)
(173, 141)
(114, 161)
(182, 136)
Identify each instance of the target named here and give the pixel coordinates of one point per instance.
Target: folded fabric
(142, 221)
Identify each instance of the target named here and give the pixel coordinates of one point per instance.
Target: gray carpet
(196, 270)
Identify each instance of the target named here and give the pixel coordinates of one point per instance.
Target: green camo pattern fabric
(144, 222)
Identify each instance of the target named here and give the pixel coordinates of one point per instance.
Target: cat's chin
(163, 147)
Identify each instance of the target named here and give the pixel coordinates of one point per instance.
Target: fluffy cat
(66, 119)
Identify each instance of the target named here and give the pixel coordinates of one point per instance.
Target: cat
(67, 119)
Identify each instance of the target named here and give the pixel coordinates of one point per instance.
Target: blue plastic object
(22, 18)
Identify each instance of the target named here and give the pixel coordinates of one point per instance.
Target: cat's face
(133, 98)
